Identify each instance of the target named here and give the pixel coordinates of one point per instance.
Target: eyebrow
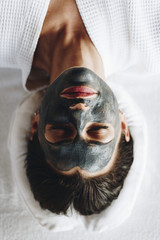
(58, 142)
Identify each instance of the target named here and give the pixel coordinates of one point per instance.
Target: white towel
(120, 209)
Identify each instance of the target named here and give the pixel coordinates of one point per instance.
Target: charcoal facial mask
(55, 109)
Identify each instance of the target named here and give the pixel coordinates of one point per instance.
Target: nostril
(79, 106)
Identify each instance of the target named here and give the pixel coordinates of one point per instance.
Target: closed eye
(55, 133)
(97, 128)
(64, 127)
(92, 132)
(100, 132)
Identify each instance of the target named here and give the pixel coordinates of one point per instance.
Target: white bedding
(144, 221)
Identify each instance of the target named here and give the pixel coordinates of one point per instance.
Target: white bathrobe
(125, 33)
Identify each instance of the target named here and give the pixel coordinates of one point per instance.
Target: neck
(64, 43)
(74, 50)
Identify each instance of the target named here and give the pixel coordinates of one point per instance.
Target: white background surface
(16, 223)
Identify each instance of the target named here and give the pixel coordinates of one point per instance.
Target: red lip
(78, 92)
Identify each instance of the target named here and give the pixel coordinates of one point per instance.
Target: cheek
(104, 113)
(110, 116)
(58, 114)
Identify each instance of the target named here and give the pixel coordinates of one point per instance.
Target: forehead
(90, 157)
(90, 169)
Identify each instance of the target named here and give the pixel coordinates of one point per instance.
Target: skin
(72, 137)
(124, 130)
(65, 44)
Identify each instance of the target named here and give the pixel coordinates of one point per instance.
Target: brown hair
(56, 192)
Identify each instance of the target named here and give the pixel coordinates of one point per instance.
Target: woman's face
(79, 123)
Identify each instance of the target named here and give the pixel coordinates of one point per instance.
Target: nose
(79, 106)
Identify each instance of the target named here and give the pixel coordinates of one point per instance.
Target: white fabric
(126, 30)
(20, 26)
(120, 208)
(17, 223)
(126, 33)
(136, 22)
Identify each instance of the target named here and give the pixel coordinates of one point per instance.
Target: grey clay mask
(54, 109)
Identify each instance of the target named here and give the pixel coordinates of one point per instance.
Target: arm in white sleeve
(20, 26)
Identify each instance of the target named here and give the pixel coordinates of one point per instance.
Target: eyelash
(97, 128)
(59, 128)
